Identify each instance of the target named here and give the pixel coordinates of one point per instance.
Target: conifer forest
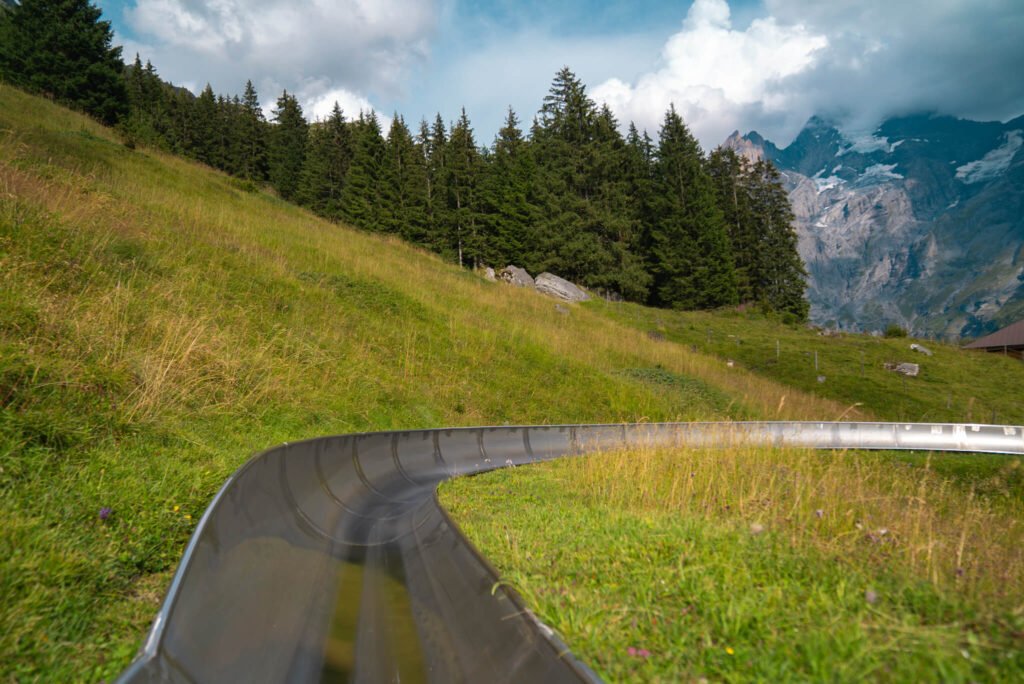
(650, 220)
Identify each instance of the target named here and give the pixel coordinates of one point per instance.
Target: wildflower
(105, 512)
(756, 528)
(176, 508)
(728, 649)
(188, 517)
(638, 652)
(820, 513)
(871, 596)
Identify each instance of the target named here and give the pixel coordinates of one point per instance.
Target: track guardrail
(330, 559)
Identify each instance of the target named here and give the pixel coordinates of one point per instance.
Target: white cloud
(888, 58)
(318, 106)
(715, 74)
(356, 48)
(853, 61)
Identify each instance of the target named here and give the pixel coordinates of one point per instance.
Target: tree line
(654, 222)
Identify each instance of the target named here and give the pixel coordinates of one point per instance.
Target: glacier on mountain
(994, 163)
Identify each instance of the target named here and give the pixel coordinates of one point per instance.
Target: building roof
(1010, 336)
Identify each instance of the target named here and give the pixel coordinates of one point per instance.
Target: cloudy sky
(743, 64)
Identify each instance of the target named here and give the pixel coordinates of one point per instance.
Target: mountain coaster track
(331, 559)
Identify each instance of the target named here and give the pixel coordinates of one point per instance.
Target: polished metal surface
(331, 560)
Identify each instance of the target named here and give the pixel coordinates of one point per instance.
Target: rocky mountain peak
(919, 221)
(745, 146)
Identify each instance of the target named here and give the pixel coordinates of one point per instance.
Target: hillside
(160, 321)
(917, 222)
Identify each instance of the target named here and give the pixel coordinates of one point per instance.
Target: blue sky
(746, 64)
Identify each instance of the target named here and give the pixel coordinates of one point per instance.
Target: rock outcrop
(513, 275)
(554, 286)
(911, 370)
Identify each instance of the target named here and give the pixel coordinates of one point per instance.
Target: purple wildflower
(105, 512)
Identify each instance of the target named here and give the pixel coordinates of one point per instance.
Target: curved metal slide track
(331, 560)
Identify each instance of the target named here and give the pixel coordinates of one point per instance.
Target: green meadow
(160, 322)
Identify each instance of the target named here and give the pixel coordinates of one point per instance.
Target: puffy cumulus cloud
(716, 75)
(855, 61)
(318, 102)
(351, 46)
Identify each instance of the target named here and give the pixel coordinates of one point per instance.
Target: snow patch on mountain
(878, 173)
(825, 184)
(994, 163)
(864, 143)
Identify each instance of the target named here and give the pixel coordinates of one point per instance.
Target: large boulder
(911, 370)
(554, 286)
(513, 275)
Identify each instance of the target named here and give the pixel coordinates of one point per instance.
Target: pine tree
(691, 252)
(404, 186)
(61, 48)
(586, 234)
(226, 155)
(252, 160)
(560, 139)
(360, 200)
(179, 109)
(434, 146)
(140, 123)
(328, 156)
(732, 178)
(507, 214)
(204, 125)
(287, 148)
(463, 175)
(614, 224)
(782, 278)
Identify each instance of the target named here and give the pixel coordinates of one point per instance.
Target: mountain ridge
(917, 222)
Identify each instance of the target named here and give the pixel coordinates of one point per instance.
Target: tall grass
(851, 506)
(755, 564)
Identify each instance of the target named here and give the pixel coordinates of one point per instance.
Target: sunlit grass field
(755, 564)
(160, 322)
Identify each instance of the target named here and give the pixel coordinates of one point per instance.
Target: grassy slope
(159, 323)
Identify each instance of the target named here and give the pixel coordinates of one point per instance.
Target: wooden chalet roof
(1011, 336)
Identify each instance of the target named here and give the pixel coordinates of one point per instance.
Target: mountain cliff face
(920, 222)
